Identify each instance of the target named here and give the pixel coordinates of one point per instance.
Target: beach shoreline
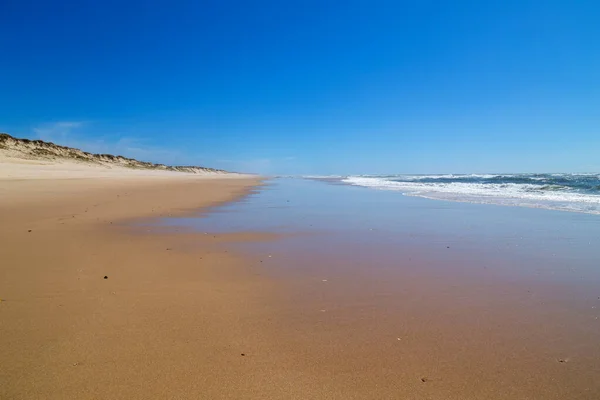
(279, 291)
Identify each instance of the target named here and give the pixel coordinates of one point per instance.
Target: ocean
(558, 191)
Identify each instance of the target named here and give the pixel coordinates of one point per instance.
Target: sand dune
(22, 158)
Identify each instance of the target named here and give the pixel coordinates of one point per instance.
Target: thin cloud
(73, 134)
(257, 165)
(57, 131)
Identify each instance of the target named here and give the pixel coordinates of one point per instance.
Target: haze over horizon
(351, 87)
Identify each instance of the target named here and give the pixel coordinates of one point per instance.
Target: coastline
(390, 305)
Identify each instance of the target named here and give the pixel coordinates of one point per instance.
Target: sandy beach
(91, 309)
(101, 300)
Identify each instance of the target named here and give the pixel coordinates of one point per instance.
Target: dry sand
(166, 321)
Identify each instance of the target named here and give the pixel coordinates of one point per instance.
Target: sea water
(558, 191)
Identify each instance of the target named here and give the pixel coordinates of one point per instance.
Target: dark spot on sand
(168, 249)
(29, 230)
(424, 379)
(243, 354)
(562, 360)
(105, 277)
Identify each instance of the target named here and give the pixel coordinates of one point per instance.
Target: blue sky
(310, 87)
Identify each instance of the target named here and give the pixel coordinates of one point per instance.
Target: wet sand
(388, 297)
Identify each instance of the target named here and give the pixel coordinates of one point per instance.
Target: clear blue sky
(310, 87)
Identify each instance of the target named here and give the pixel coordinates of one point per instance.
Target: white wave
(421, 177)
(442, 176)
(439, 176)
(587, 174)
(489, 193)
